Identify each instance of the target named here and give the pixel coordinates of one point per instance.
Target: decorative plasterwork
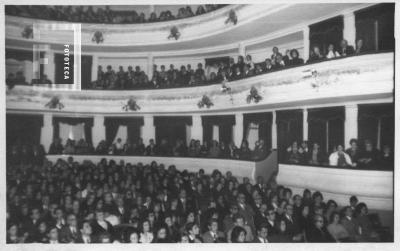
(198, 27)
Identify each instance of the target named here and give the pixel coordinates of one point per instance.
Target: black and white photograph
(191, 123)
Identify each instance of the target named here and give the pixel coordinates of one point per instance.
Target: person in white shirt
(118, 145)
(249, 62)
(340, 158)
(146, 236)
(332, 53)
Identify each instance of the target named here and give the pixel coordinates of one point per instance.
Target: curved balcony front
(197, 27)
(352, 79)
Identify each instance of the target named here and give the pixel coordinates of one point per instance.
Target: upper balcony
(349, 79)
(199, 34)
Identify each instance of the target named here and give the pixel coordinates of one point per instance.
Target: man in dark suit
(260, 186)
(345, 49)
(86, 233)
(53, 235)
(31, 226)
(100, 225)
(70, 232)
(247, 72)
(229, 219)
(122, 209)
(261, 215)
(236, 73)
(152, 148)
(262, 234)
(213, 235)
(246, 210)
(292, 225)
(318, 232)
(350, 224)
(271, 221)
(185, 205)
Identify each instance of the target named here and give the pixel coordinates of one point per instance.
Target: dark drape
(219, 120)
(225, 123)
(212, 61)
(86, 71)
(264, 121)
(59, 68)
(88, 122)
(318, 121)
(133, 125)
(20, 55)
(171, 128)
(376, 22)
(225, 133)
(326, 32)
(290, 129)
(24, 129)
(207, 132)
(368, 120)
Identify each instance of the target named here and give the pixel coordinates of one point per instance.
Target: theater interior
(201, 123)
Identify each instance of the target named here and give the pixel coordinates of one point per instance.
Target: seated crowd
(109, 202)
(214, 149)
(215, 73)
(364, 156)
(185, 76)
(86, 14)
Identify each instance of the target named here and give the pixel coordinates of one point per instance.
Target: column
(350, 123)
(242, 50)
(148, 130)
(327, 136)
(349, 28)
(49, 66)
(196, 131)
(46, 134)
(378, 137)
(151, 9)
(188, 129)
(215, 132)
(305, 124)
(274, 132)
(306, 43)
(95, 64)
(98, 130)
(238, 129)
(150, 63)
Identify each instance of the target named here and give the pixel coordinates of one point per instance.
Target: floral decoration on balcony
(55, 103)
(98, 37)
(205, 101)
(253, 96)
(28, 32)
(232, 18)
(131, 105)
(174, 33)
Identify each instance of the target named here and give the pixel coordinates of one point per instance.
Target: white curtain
(121, 133)
(188, 134)
(215, 133)
(252, 134)
(74, 132)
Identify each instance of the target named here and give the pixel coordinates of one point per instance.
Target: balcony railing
(343, 79)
